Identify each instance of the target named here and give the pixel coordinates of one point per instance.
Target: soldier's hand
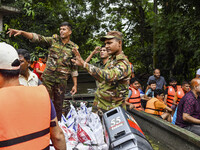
(78, 61)
(14, 32)
(74, 90)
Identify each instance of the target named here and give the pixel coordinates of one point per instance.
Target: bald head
(195, 83)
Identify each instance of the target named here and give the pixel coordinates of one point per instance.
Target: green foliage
(171, 36)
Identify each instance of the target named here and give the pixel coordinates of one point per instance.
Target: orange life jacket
(42, 65)
(151, 109)
(170, 95)
(25, 118)
(180, 94)
(135, 98)
(130, 66)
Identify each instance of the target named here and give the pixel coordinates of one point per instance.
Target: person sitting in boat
(185, 87)
(189, 109)
(157, 107)
(134, 100)
(170, 93)
(160, 80)
(150, 92)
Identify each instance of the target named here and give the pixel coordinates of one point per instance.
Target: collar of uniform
(120, 56)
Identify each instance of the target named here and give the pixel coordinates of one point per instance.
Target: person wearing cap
(59, 66)
(28, 117)
(113, 78)
(26, 77)
(198, 73)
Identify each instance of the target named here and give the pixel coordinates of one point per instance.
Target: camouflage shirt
(59, 58)
(113, 82)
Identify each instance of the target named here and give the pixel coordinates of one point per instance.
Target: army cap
(113, 34)
(9, 57)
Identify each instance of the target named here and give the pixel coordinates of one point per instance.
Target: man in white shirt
(26, 77)
(198, 73)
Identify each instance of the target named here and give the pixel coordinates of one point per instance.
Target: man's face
(135, 85)
(65, 32)
(103, 53)
(113, 46)
(23, 65)
(153, 86)
(173, 83)
(160, 97)
(157, 73)
(186, 87)
(197, 89)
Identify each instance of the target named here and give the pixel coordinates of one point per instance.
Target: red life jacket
(135, 98)
(25, 118)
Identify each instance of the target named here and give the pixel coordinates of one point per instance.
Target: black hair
(158, 92)
(185, 82)
(155, 70)
(133, 80)
(9, 74)
(24, 53)
(172, 79)
(66, 24)
(152, 82)
(103, 46)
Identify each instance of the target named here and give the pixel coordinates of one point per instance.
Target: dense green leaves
(170, 38)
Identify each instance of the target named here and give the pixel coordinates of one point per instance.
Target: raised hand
(14, 32)
(97, 50)
(78, 61)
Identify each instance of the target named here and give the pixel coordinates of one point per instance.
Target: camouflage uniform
(58, 68)
(113, 83)
(100, 65)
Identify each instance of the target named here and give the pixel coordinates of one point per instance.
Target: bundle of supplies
(83, 129)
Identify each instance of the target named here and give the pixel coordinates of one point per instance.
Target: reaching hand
(131, 106)
(74, 90)
(96, 50)
(78, 61)
(14, 32)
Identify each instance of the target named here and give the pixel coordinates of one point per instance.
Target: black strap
(24, 138)
(153, 109)
(171, 95)
(134, 97)
(52, 124)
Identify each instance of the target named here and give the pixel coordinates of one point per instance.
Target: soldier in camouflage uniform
(113, 79)
(59, 65)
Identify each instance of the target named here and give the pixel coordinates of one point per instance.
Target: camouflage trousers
(56, 89)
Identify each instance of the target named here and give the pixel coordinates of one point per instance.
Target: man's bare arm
(57, 136)
(74, 88)
(188, 118)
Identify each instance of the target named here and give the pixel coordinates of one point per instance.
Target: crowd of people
(116, 86)
(179, 104)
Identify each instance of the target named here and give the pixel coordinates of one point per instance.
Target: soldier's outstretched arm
(15, 32)
(121, 70)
